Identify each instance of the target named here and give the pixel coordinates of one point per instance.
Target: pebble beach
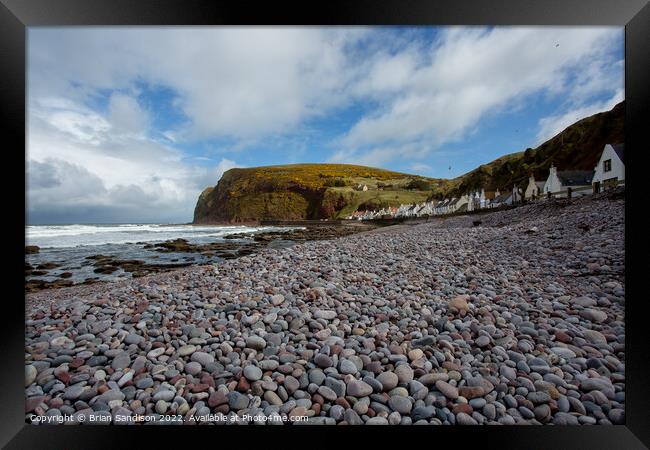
(510, 317)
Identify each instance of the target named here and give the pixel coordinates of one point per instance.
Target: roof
(463, 207)
(503, 197)
(575, 177)
(620, 151)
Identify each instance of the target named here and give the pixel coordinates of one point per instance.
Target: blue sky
(130, 124)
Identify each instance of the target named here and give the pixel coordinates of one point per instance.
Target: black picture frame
(16, 15)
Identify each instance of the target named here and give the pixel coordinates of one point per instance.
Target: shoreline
(228, 247)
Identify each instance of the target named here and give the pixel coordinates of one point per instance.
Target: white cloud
(420, 167)
(80, 160)
(471, 72)
(126, 115)
(236, 81)
(552, 125)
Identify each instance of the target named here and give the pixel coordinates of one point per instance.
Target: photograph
(325, 225)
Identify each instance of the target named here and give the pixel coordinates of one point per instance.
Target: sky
(130, 124)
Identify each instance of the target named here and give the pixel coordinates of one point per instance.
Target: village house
(558, 183)
(427, 209)
(441, 207)
(488, 197)
(610, 168)
(502, 199)
(463, 201)
(534, 188)
(517, 195)
(450, 206)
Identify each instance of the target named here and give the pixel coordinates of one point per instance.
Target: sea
(69, 246)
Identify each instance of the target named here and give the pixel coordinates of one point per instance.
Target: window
(607, 165)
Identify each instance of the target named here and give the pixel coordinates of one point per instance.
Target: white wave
(61, 236)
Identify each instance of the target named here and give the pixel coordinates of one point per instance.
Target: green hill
(577, 147)
(307, 191)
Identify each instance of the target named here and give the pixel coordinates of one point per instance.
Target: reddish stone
(207, 379)
(316, 408)
(371, 412)
(462, 408)
(32, 402)
(75, 363)
(64, 377)
(343, 402)
(56, 402)
(336, 349)
(217, 398)
(374, 367)
(243, 385)
(470, 392)
(561, 336)
(199, 387)
(224, 409)
(450, 365)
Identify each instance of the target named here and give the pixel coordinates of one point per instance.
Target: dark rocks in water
(176, 245)
(130, 265)
(31, 249)
(37, 285)
(105, 269)
(232, 249)
(237, 236)
(48, 266)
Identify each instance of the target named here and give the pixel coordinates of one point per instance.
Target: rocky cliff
(307, 191)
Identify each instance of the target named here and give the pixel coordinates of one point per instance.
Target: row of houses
(609, 172)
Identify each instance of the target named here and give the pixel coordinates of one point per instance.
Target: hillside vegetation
(577, 147)
(307, 191)
(330, 191)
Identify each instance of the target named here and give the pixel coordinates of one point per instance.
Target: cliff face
(306, 191)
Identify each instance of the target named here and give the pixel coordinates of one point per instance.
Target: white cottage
(534, 188)
(610, 169)
(559, 182)
(502, 199)
(461, 205)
